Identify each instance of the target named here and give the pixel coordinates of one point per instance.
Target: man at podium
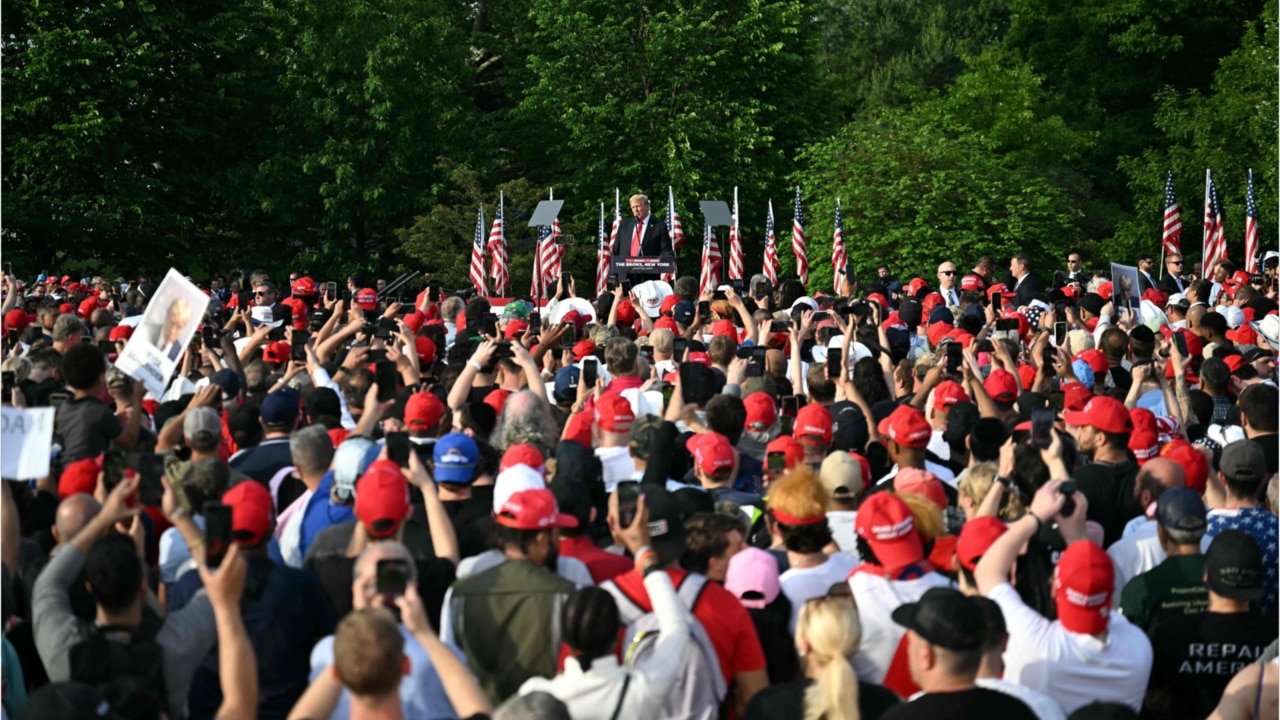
(642, 235)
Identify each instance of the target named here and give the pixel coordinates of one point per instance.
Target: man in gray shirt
(115, 578)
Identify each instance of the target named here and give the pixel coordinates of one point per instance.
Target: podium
(653, 265)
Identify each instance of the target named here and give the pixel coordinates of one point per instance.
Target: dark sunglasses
(257, 293)
(1175, 262)
(948, 272)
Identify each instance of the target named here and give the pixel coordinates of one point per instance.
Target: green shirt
(1173, 589)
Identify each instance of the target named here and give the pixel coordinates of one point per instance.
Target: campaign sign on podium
(654, 265)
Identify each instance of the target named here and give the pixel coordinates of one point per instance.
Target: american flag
(1251, 250)
(674, 230)
(770, 249)
(838, 260)
(602, 260)
(477, 256)
(1215, 240)
(710, 262)
(498, 252)
(1172, 220)
(613, 236)
(546, 263)
(797, 242)
(735, 243)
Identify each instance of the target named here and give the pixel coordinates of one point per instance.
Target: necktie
(635, 239)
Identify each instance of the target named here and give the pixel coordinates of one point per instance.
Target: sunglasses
(1073, 262)
(1175, 262)
(948, 272)
(260, 293)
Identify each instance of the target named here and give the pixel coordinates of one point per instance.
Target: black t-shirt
(786, 701)
(1270, 445)
(1196, 657)
(1109, 489)
(471, 520)
(972, 704)
(87, 426)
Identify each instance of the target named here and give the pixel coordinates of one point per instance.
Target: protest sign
(164, 332)
(1125, 289)
(27, 438)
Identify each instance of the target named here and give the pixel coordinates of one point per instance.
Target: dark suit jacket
(655, 242)
(1028, 289)
(1170, 286)
(1145, 282)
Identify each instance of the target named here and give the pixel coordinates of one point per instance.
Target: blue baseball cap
(683, 312)
(280, 408)
(567, 383)
(228, 380)
(942, 313)
(1180, 508)
(1083, 372)
(455, 457)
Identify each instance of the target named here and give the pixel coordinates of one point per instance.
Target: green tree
(1229, 129)
(122, 121)
(979, 171)
(373, 92)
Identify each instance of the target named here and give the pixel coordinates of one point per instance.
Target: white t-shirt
(1135, 554)
(938, 446)
(842, 531)
(618, 465)
(800, 584)
(1072, 668)
(876, 599)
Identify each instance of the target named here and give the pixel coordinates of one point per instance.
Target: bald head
(1156, 476)
(1194, 315)
(73, 514)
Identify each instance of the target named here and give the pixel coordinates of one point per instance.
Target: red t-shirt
(726, 621)
(603, 565)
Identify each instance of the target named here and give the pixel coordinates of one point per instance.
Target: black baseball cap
(1233, 564)
(666, 523)
(945, 617)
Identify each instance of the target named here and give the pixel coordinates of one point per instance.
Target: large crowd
(967, 496)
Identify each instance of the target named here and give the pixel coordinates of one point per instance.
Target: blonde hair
(928, 516)
(19, 366)
(832, 629)
(977, 483)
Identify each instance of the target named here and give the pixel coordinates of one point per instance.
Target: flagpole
(1162, 248)
(1205, 240)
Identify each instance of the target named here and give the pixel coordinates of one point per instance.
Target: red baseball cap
(1075, 396)
(1194, 464)
(304, 286)
(1103, 413)
(1145, 444)
(1158, 297)
(534, 510)
(907, 427)
(1001, 385)
(976, 537)
(788, 446)
(915, 285)
(576, 318)
(972, 282)
(121, 332)
(66, 309)
(668, 303)
(1244, 335)
(496, 400)
(251, 512)
(813, 425)
(1096, 361)
(1082, 584)
(948, 393)
(582, 349)
(88, 305)
(414, 321)
(514, 329)
(578, 428)
(523, 454)
(667, 323)
(422, 411)
(614, 413)
(877, 297)
(426, 350)
(1104, 290)
(887, 524)
(80, 476)
(996, 289)
(921, 482)
(367, 299)
(16, 319)
(382, 498)
(724, 327)
(701, 358)
(1027, 376)
(761, 412)
(277, 352)
(711, 452)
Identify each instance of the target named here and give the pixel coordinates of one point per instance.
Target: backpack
(700, 687)
(123, 673)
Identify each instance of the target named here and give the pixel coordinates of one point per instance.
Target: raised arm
(443, 538)
(237, 666)
(459, 685)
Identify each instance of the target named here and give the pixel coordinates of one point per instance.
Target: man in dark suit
(1172, 281)
(642, 235)
(1024, 283)
(1146, 263)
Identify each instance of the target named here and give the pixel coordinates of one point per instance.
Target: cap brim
(1234, 593)
(1076, 418)
(563, 520)
(456, 475)
(900, 552)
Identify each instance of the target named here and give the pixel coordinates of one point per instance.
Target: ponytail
(831, 628)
